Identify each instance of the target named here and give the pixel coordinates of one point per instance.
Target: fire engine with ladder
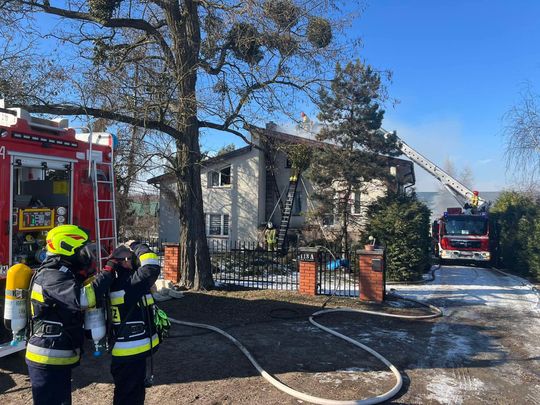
(50, 175)
(464, 233)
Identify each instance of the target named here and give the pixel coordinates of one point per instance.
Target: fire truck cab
(46, 179)
(459, 236)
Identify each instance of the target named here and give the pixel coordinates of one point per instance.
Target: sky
(458, 67)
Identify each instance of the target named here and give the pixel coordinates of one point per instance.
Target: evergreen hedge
(401, 224)
(517, 216)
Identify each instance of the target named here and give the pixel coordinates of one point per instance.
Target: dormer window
(221, 178)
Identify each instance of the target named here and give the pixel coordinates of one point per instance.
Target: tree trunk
(194, 260)
(345, 222)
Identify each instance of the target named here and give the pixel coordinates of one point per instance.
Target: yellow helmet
(65, 239)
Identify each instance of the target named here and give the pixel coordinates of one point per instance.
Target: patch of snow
(351, 374)
(447, 390)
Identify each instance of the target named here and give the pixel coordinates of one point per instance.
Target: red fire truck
(461, 234)
(51, 175)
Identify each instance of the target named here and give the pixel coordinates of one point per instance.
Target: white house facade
(241, 191)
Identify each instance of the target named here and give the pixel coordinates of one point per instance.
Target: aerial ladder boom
(461, 193)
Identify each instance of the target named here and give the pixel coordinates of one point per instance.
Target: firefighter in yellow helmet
(57, 315)
(135, 336)
(474, 200)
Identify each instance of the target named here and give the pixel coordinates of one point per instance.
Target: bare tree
(199, 64)
(466, 176)
(522, 136)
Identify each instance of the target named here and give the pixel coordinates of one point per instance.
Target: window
(356, 207)
(218, 224)
(221, 178)
(465, 225)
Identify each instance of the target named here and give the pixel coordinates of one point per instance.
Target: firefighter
(474, 200)
(132, 307)
(271, 237)
(57, 317)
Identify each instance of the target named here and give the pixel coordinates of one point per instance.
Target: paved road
(487, 347)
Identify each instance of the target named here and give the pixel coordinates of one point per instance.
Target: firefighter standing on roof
(132, 307)
(57, 317)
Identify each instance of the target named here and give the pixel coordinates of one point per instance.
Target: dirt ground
(202, 367)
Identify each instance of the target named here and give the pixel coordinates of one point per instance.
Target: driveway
(484, 350)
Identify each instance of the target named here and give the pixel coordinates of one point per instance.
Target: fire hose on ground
(323, 401)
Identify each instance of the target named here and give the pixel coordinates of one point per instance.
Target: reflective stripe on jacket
(134, 347)
(55, 357)
(271, 235)
(57, 316)
(133, 325)
(132, 308)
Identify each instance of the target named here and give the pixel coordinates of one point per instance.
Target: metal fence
(338, 274)
(247, 264)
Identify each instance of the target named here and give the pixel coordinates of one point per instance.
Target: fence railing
(247, 264)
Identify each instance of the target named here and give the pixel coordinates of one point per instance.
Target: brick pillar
(171, 271)
(307, 268)
(372, 272)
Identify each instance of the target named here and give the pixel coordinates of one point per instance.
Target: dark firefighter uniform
(132, 309)
(57, 317)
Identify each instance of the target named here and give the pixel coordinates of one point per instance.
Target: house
(245, 188)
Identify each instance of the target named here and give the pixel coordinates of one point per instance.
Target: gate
(338, 274)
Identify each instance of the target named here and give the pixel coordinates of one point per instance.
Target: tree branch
(224, 127)
(65, 109)
(138, 24)
(222, 58)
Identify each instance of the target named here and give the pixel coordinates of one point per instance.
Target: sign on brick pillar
(171, 270)
(372, 274)
(307, 268)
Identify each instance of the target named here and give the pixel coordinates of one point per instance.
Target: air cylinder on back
(16, 303)
(94, 321)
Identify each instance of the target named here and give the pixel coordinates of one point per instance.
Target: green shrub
(401, 225)
(517, 216)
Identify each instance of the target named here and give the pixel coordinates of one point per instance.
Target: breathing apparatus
(16, 301)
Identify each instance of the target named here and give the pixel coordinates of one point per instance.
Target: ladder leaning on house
(287, 211)
(104, 207)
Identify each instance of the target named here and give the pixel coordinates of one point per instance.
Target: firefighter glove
(110, 266)
(121, 253)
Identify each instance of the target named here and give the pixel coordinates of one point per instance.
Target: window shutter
(225, 224)
(215, 224)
